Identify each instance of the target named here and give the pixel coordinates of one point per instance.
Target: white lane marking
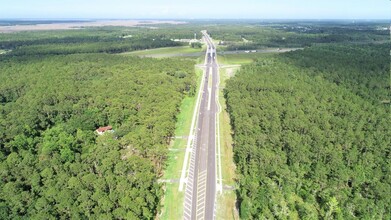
(187, 209)
(201, 193)
(209, 99)
(210, 88)
(219, 178)
(191, 136)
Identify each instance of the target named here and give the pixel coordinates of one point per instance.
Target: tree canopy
(312, 135)
(53, 166)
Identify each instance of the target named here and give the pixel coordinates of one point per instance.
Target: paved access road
(200, 194)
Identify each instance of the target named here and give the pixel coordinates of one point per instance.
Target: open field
(237, 59)
(168, 52)
(241, 57)
(80, 25)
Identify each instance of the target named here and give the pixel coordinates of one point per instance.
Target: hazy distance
(200, 9)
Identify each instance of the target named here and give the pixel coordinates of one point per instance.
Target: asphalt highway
(200, 194)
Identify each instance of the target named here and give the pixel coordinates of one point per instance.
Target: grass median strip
(173, 199)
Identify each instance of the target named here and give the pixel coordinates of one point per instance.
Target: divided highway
(201, 180)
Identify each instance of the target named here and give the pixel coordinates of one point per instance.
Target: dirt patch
(230, 72)
(80, 25)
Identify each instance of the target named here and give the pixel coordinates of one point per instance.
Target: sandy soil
(229, 72)
(79, 25)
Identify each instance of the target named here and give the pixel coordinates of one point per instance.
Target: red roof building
(102, 130)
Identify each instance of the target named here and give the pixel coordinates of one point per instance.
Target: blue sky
(184, 9)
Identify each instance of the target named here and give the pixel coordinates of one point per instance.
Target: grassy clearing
(173, 199)
(235, 59)
(4, 51)
(166, 52)
(173, 202)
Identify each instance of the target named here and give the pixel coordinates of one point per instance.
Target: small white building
(190, 41)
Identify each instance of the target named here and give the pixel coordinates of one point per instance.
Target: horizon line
(178, 19)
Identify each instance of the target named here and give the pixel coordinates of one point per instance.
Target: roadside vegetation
(226, 202)
(173, 199)
(312, 135)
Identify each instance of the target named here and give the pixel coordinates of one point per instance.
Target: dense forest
(87, 41)
(53, 165)
(312, 138)
(259, 35)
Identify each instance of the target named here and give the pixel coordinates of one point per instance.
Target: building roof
(104, 129)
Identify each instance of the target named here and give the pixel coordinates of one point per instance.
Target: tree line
(256, 35)
(117, 46)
